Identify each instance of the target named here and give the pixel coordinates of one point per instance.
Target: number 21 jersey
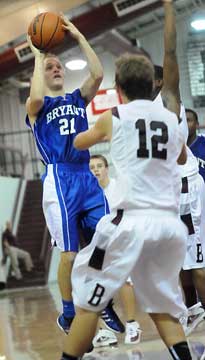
(57, 124)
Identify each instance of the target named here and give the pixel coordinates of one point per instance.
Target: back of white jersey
(145, 145)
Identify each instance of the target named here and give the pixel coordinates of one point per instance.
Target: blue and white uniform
(71, 194)
(198, 149)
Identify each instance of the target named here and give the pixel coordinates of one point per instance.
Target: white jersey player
(192, 212)
(143, 232)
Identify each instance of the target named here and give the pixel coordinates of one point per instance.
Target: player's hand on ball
(34, 50)
(70, 27)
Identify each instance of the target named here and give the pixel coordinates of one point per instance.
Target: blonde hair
(50, 55)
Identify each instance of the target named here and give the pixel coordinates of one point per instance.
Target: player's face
(157, 88)
(98, 168)
(54, 73)
(192, 123)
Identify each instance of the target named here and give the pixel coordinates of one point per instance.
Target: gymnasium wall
(153, 43)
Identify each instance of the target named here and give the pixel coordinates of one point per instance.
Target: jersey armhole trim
(115, 112)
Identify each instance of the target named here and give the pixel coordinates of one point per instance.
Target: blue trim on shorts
(66, 237)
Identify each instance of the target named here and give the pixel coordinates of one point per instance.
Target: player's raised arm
(99, 132)
(170, 66)
(183, 156)
(35, 101)
(92, 83)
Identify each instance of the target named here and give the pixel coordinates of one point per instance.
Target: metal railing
(18, 155)
(12, 162)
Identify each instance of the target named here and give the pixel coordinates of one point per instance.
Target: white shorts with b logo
(192, 212)
(148, 245)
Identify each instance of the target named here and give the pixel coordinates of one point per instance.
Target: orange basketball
(46, 31)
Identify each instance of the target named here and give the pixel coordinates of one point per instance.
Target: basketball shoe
(196, 315)
(104, 338)
(132, 332)
(64, 323)
(111, 319)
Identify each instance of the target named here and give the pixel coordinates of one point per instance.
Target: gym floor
(28, 330)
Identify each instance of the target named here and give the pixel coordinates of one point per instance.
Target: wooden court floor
(28, 330)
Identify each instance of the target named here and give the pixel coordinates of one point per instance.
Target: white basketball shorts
(148, 245)
(192, 212)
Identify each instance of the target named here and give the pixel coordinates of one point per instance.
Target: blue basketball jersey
(56, 126)
(198, 149)
(72, 197)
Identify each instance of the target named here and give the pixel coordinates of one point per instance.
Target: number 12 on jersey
(143, 151)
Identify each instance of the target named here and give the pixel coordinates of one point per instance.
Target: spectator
(10, 248)
(100, 168)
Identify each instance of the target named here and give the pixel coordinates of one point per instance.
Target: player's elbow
(98, 75)
(182, 160)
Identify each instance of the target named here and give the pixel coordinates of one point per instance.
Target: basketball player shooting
(69, 188)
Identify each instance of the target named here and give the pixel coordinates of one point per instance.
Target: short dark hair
(101, 157)
(134, 75)
(158, 72)
(194, 113)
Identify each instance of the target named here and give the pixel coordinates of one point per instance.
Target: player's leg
(101, 271)
(199, 273)
(64, 275)
(157, 284)
(64, 282)
(128, 299)
(60, 209)
(190, 294)
(172, 334)
(96, 207)
(194, 203)
(83, 328)
(199, 282)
